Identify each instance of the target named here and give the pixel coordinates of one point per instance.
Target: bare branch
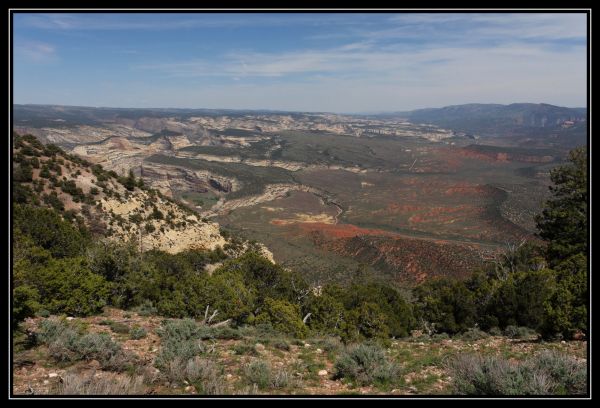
(223, 323)
(212, 316)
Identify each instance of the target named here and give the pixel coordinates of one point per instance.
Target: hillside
(95, 316)
(325, 193)
(118, 207)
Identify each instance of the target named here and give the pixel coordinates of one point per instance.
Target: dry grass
(73, 384)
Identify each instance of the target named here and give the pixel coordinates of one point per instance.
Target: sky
(311, 62)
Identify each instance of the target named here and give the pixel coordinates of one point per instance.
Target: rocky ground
(303, 367)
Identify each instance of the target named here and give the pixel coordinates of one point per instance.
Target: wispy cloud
(363, 61)
(34, 51)
(335, 62)
(175, 21)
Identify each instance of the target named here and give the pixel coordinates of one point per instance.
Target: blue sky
(335, 62)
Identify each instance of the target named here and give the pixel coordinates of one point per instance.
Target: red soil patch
(465, 189)
(341, 230)
(439, 214)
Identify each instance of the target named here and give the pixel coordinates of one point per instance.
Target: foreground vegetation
(183, 356)
(61, 267)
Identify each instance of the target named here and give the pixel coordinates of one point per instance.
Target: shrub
(73, 384)
(332, 345)
(205, 375)
(181, 329)
(45, 172)
(473, 334)
(65, 344)
(48, 230)
(282, 345)
(366, 364)
(567, 374)
(180, 342)
(101, 347)
(223, 333)
(549, 373)
(25, 302)
(137, 332)
(440, 337)
(23, 172)
(520, 332)
(118, 327)
(495, 331)
(146, 308)
(68, 286)
(258, 372)
(284, 316)
(447, 304)
(245, 348)
(156, 214)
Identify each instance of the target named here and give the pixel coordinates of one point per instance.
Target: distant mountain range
(487, 116)
(525, 123)
(514, 120)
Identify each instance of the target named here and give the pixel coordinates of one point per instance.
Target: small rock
(563, 342)
(318, 351)
(70, 318)
(259, 347)
(306, 345)
(46, 381)
(322, 373)
(229, 377)
(52, 375)
(188, 388)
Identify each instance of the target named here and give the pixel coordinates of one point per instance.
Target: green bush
(48, 230)
(146, 308)
(473, 334)
(495, 331)
(282, 345)
(447, 304)
(258, 372)
(137, 332)
(222, 333)
(68, 286)
(366, 364)
(283, 316)
(25, 302)
(520, 332)
(118, 327)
